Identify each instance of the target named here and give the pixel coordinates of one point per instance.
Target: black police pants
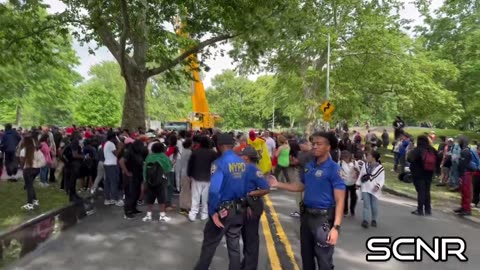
(251, 241)
(212, 235)
(132, 191)
(309, 248)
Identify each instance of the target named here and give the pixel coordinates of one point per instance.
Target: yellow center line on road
(281, 233)
(272, 252)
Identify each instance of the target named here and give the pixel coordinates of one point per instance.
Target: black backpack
(155, 174)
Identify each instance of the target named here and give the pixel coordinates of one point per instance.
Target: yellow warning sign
(327, 117)
(327, 108)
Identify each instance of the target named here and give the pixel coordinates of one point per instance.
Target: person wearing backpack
(424, 162)
(468, 164)
(155, 170)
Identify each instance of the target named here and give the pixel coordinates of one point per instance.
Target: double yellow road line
(278, 242)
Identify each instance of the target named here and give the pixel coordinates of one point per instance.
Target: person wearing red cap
(265, 163)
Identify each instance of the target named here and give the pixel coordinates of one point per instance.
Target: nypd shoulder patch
(213, 169)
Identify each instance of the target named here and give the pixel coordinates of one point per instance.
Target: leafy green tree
(453, 36)
(36, 66)
(139, 34)
(98, 105)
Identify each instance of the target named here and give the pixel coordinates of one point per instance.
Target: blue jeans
(370, 206)
(454, 177)
(44, 174)
(396, 160)
(111, 186)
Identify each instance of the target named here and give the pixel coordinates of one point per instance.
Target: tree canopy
(380, 66)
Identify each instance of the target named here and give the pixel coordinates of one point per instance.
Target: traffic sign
(327, 117)
(327, 108)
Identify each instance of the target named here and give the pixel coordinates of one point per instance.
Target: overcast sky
(217, 65)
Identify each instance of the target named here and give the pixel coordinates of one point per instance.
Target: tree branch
(109, 41)
(123, 39)
(28, 35)
(369, 53)
(187, 53)
(140, 44)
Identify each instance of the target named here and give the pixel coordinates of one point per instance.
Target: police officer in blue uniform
(322, 206)
(257, 186)
(226, 205)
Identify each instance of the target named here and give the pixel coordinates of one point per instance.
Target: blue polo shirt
(255, 179)
(320, 180)
(228, 181)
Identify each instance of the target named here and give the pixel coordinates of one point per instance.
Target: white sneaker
(204, 217)
(192, 218)
(36, 203)
(120, 203)
(28, 207)
(109, 202)
(164, 219)
(147, 218)
(92, 191)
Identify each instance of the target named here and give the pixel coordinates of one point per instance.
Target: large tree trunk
(134, 103)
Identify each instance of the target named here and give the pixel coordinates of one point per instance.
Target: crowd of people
(148, 167)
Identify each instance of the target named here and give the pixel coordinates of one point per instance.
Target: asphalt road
(108, 242)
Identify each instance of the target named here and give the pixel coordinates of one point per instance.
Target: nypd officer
(322, 206)
(257, 186)
(226, 205)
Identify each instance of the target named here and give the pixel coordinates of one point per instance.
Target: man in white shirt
(271, 145)
(112, 172)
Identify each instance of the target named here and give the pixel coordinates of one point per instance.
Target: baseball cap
(249, 151)
(252, 135)
(225, 139)
(143, 138)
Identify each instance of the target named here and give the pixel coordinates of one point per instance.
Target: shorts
(158, 193)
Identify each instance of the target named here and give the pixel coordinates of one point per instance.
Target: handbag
(39, 158)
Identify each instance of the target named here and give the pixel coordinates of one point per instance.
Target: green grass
(13, 197)
(416, 131)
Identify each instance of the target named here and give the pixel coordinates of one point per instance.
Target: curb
(408, 196)
(398, 193)
(32, 233)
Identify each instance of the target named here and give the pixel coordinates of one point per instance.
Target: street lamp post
(327, 84)
(327, 90)
(273, 114)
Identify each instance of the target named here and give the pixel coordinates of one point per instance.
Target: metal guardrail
(26, 237)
